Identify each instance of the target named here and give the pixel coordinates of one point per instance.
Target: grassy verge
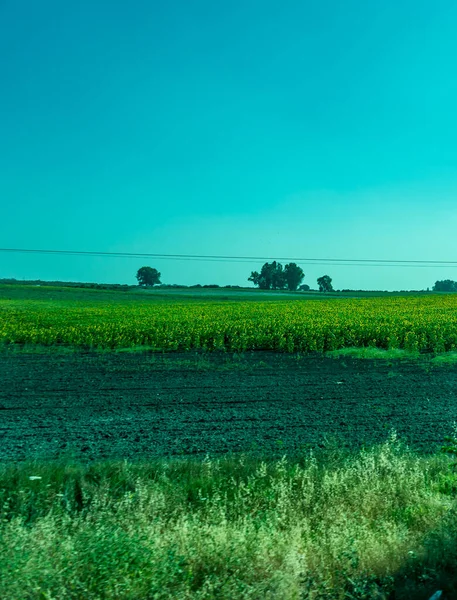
(381, 523)
(369, 352)
(447, 358)
(373, 353)
(441, 359)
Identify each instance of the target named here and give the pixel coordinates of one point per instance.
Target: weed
(446, 358)
(331, 524)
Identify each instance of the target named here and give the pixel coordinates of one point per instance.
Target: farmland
(229, 444)
(108, 374)
(172, 323)
(148, 406)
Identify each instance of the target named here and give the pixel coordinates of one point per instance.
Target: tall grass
(335, 526)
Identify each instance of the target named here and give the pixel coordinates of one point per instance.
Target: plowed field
(144, 405)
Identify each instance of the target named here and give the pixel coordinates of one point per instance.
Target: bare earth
(137, 406)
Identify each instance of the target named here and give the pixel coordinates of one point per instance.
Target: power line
(222, 258)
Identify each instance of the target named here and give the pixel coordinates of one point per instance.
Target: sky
(245, 128)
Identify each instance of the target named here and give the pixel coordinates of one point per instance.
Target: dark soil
(144, 405)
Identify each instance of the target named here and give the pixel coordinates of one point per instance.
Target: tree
(325, 284)
(446, 285)
(256, 279)
(278, 276)
(271, 276)
(147, 276)
(294, 276)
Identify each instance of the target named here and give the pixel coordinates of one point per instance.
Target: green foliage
(450, 446)
(93, 319)
(147, 276)
(446, 358)
(271, 276)
(330, 526)
(445, 285)
(274, 276)
(325, 283)
(373, 353)
(294, 276)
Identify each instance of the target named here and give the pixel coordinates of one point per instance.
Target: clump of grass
(39, 349)
(371, 352)
(328, 526)
(446, 358)
(135, 350)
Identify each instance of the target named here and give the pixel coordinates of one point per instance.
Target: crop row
(414, 323)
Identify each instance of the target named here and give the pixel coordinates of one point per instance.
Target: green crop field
(234, 321)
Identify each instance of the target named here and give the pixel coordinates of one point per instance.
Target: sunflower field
(415, 323)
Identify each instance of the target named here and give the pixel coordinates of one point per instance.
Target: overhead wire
(359, 262)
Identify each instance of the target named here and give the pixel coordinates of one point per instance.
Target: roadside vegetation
(381, 523)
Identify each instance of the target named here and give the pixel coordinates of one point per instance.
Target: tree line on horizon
(272, 276)
(444, 286)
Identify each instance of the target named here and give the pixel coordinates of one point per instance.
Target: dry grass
(331, 526)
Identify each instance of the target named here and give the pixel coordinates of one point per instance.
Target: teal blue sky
(293, 128)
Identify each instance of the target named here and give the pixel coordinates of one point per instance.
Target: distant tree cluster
(273, 276)
(446, 285)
